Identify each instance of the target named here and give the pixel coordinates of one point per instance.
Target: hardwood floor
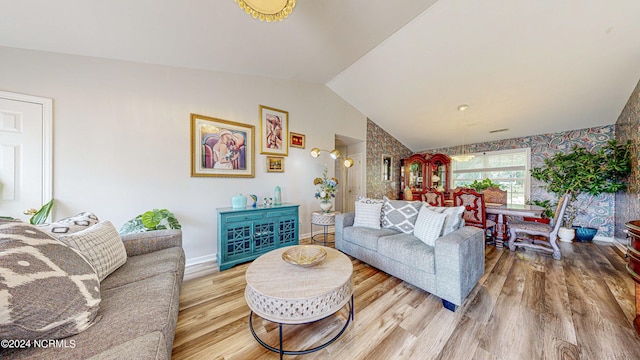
(526, 306)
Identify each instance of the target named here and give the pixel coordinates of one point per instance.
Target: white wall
(122, 137)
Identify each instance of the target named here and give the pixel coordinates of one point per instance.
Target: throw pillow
(47, 289)
(429, 225)
(101, 245)
(400, 215)
(367, 215)
(70, 225)
(454, 217)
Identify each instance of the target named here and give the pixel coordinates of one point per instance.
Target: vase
(326, 206)
(584, 234)
(566, 234)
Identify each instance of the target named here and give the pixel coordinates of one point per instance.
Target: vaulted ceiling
(527, 66)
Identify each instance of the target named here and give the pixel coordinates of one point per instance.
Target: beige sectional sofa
(138, 310)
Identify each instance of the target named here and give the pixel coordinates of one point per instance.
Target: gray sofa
(449, 270)
(139, 306)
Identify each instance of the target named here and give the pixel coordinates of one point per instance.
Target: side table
(319, 218)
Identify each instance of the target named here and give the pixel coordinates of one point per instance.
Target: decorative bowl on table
(304, 255)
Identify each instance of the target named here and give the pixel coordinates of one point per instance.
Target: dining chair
(494, 195)
(518, 231)
(475, 213)
(433, 197)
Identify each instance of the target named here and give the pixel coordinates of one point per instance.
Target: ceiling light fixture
(465, 156)
(269, 10)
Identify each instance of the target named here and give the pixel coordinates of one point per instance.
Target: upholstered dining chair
(433, 197)
(495, 195)
(519, 229)
(475, 213)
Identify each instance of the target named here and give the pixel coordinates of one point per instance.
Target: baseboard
(603, 239)
(200, 260)
(200, 266)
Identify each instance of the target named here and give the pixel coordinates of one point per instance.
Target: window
(509, 168)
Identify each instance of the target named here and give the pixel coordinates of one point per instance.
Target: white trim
(200, 260)
(604, 238)
(47, 139)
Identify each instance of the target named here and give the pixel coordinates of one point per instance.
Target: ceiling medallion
(269, 10)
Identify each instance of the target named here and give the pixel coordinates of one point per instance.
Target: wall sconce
(348, 162)
(315, 152)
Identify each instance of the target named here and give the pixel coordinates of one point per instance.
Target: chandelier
(269, 10)
(465, 156)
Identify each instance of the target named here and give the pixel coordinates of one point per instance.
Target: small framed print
(296, 140)
(275, 164)
(386, 168)
(274, 131)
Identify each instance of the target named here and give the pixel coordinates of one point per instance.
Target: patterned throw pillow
(454, 217)
(70, 225)
(429, 225)
(368, 214)
(47, 289)
(101, 245)
(400, 215)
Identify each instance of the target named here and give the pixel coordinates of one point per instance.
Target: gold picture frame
(275, 164)
(274, 131)
(297, 140)
(221, 148)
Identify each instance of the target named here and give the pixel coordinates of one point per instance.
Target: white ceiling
(530, 66)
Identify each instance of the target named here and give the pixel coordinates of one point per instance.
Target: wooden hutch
(418, 171)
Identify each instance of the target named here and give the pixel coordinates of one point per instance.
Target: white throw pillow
(454, 217)
(367, 215)
(101, 245)
(429, 225)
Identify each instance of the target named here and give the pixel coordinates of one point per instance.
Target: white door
(25, 153)
(356, 187)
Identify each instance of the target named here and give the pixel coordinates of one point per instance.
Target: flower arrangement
(326, 186)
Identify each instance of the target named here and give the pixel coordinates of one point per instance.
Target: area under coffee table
(289, 294)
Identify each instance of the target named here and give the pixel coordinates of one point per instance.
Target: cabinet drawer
(280, 213)
(242, 217)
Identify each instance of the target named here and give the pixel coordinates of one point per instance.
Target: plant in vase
(586, 174)
(326, 189)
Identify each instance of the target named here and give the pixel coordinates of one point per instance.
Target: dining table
(502, 210)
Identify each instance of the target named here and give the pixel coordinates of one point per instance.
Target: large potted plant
(586, 174)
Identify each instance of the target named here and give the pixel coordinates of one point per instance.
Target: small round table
(325, 220)
(289, 294)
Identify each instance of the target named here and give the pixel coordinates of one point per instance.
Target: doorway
(25, 153)
(353, 178)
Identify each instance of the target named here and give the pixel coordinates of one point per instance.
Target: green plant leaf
(42, 214)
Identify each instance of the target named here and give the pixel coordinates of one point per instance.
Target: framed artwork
(296, 140)
(386, 168)
(221, 148)
(274, 131)
(275, 164)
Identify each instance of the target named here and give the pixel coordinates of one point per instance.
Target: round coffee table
(289, 294)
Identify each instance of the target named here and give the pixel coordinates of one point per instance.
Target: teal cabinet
(244, 234)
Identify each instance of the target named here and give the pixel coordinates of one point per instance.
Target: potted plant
(151, 220)
(480, 186)
(586, 174)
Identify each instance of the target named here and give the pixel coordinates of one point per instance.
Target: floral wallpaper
(379, 143)
(627, 204)
(608, 212)
(601, 212)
